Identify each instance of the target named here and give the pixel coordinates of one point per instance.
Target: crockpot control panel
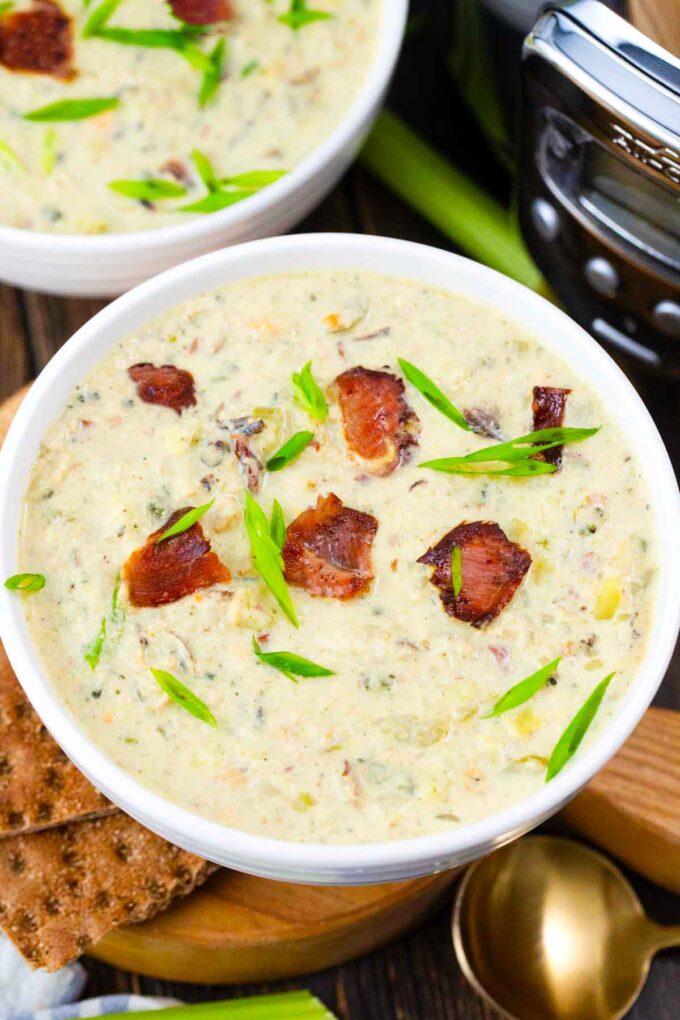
(599, 177)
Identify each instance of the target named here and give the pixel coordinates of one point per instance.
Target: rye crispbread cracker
(39, 786)
(63, 889)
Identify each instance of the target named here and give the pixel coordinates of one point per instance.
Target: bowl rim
(343, 862)
(393, 16)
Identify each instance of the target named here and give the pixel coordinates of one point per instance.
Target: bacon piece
(492, 569)
(162, 572)
(202, 12)
(328, 549)
(39, 40)
(549, 405)
(164, 384)
(379, 424)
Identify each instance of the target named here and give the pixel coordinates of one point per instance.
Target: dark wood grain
(417, 977)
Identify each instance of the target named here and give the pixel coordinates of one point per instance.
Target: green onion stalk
(473, 220)
(282, 1006)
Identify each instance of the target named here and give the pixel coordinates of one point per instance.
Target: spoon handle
(631, 808)
(664, 936)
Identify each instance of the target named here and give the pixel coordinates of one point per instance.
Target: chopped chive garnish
(290, 451)
(289, 664)
(25, 582)
(185, 522)
(183, 697)
(309, 395)
(278, 525)
(433, 394)
(249, 68)
(524, 690)
(226, 191)
(456, 570)
(568, 744)
(517, 453)
(149, 190)
(72, 109)
(300, 15)
(266, 555)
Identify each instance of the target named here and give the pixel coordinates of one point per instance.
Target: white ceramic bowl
(106, 265)
(275, 858)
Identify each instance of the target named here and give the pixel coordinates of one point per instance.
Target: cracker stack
(72, 866)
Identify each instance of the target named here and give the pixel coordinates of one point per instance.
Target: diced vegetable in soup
(128, 115)
(313, 568)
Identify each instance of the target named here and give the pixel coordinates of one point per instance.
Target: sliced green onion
(266, 555)
(568, 744)
(300, 15)
(185, 522)
(205, 170)
(433, 394)
(456, 570)
(99, 16)
(48, 151)
(278, 525)
(519, 453)
(212, 76)
(183, 697)
(309, 394)
(9, 158)
(72, 109)
(290, 451)
(289, 664)
(524, 690)
(25, 582)
(148, 190)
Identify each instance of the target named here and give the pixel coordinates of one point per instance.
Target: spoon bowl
(547, 929)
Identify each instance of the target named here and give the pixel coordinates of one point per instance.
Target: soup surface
(398, 740)
(254, 92)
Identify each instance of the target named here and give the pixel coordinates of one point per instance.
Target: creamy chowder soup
(150, 115)
(392, 736)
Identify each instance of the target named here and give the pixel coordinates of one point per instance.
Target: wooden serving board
(238, 928)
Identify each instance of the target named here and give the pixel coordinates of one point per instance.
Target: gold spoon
(546, 929)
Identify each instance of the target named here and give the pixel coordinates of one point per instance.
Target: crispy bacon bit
(492, 569)
(162, 572)
(379, 424)
(251, 467)
(39, 40)
(483, 422)
(549, 405)
(202, 12)
(166, 385)
(328, 549)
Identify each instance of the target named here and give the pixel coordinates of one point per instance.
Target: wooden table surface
(416, 978)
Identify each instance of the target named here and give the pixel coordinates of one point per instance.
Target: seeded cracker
(39, 786)
(63, 889)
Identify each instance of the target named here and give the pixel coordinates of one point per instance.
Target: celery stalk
(465, 212)
(282, 1006)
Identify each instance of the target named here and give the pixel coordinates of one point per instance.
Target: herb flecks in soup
(140, 114)
(451, 633)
